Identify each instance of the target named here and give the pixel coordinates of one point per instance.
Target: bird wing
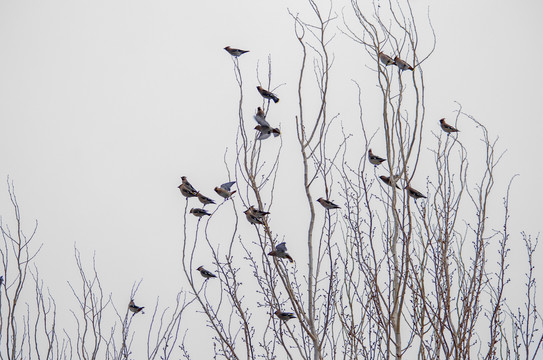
(227, 186)
(282, 247)
(261, 120)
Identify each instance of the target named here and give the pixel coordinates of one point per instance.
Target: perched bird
(252, 218)
(257, 213)
(385, 59)
(267, 94)
(135, 309)
(235, 52)
(402, 64)
(224, 190)
(199, 212)
(285, 316)
(327, 204)
(414, 193)
(187, 192)
(204, 199)
(387, 180)
(1, 280)
(206, 273)
(374, 159)
(446, 127)
(187, 184)
(281, 252)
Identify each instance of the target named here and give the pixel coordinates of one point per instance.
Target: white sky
(105, 104)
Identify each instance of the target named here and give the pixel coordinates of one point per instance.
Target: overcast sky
(105, 104)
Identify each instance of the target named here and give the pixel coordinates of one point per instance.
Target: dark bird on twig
(285, 316)
(328, 205)
(252, 218)
(387, 181)
(267, 94)
(187, 190)
(415, 194)
(257, 213)
(374, 159)
(135, 309)
(446, 127)
(402, 65)
(281, 252)
(204, 199)
(199, 212)
(206, 273)
(235, 52)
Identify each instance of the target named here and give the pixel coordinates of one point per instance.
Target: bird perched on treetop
(235, 52)
(135, 309)
(328, 205)
(264, 127)
(374, 159)
(414, 193)
(206, 273)
(387, 181)
(199, 212)
(446, 127)
(267, 94)
(402, 64)
(252, 218)
(281, 252)
(224, 190)
(204, 199)
(285, 316)
(385, 59)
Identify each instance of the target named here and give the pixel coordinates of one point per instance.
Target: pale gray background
(105, 104)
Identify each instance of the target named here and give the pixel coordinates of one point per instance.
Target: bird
(186, 192)
(257, 213)
(206, 273)
(224, 190)
(187, 184)
(235, 52)
(285, 316)
(252, 218)
(446, 127)
(199, 212)
(387, 181)
(135, 309)
(402, 65)
(1, 280)
(281, 252)
(267, 94)
(414, 193)
(266, 132)
(374, 159)
(264, 127)
(204, 199)
(327, 204)
(385, 59)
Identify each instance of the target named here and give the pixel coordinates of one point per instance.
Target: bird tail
(275, 99)
(233, 192)
(289, 258)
